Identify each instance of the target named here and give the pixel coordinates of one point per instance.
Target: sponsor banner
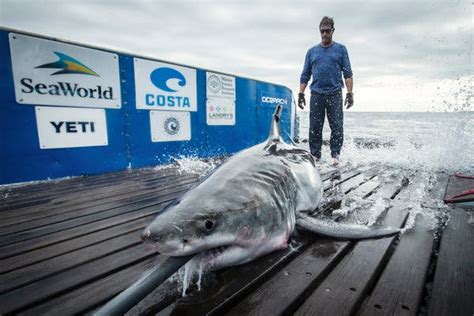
(169, 126)
(271, 99)
(220, 86)
(162, 86)
(220, 111)
(70, 127)
(53, 73)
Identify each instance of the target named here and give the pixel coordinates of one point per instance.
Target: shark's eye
(209, 224)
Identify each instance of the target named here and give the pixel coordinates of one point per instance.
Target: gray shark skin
(248, 207)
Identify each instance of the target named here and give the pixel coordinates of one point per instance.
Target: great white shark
(248, 207)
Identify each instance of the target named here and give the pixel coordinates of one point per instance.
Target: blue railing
(69, 109)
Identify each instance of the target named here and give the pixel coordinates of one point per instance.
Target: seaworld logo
(64, 88)
(68, 65)
(161, 78)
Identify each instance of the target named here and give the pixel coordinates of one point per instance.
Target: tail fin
(274, 135)
(334, 229)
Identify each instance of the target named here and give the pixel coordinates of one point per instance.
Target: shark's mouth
(174, 251)
(214, 252)
(222, 256)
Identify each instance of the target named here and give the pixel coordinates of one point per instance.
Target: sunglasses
(326, 31)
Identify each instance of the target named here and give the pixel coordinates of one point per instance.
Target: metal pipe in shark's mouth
(123, 302)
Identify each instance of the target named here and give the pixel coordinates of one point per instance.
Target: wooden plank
(75, 222)
(352, 277)
(275, 295)
(86, 297)
(78, 210)
(453, 285)
(400, 287)
(76, 200)
(58, 199)
(42, 241)
(170, 169)
(66, 200)
(39, 219)
(35, 191)
(94, 216)
(283, 292)
(20, 197)
(44, 187)
(28, 295)
(51, 251)
(38, 271)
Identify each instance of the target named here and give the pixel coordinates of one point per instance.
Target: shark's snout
(163, 243)
(146, 234)
(150, 236)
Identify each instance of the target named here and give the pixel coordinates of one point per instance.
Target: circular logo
(214, 83)
(171, 126)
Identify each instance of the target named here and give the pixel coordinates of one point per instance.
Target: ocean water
(440, 141)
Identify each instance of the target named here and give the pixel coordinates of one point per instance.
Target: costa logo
(161, 86)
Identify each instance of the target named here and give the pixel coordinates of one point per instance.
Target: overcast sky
(405, 55)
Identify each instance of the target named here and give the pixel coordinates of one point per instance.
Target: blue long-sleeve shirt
(326, 64)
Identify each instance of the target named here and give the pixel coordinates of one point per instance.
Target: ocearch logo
(273, 100)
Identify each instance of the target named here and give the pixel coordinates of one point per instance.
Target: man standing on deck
(326, 62)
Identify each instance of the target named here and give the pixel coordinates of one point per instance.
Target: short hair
(327, 21)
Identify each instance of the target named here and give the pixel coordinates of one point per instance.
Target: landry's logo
(68, 65)
(162, 78)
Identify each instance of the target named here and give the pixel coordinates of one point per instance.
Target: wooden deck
(67, 247)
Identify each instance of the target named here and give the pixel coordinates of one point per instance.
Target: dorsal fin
(274, 135)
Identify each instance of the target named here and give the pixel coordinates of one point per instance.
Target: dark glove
(349, 100)
(301, 101)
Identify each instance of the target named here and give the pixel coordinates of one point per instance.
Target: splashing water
(428, 143)
(195, 165)
(188, 274)
(365, 211)
(421, 204)
(417, 141)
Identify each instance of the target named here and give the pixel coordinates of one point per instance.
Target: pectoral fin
(334, 229)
